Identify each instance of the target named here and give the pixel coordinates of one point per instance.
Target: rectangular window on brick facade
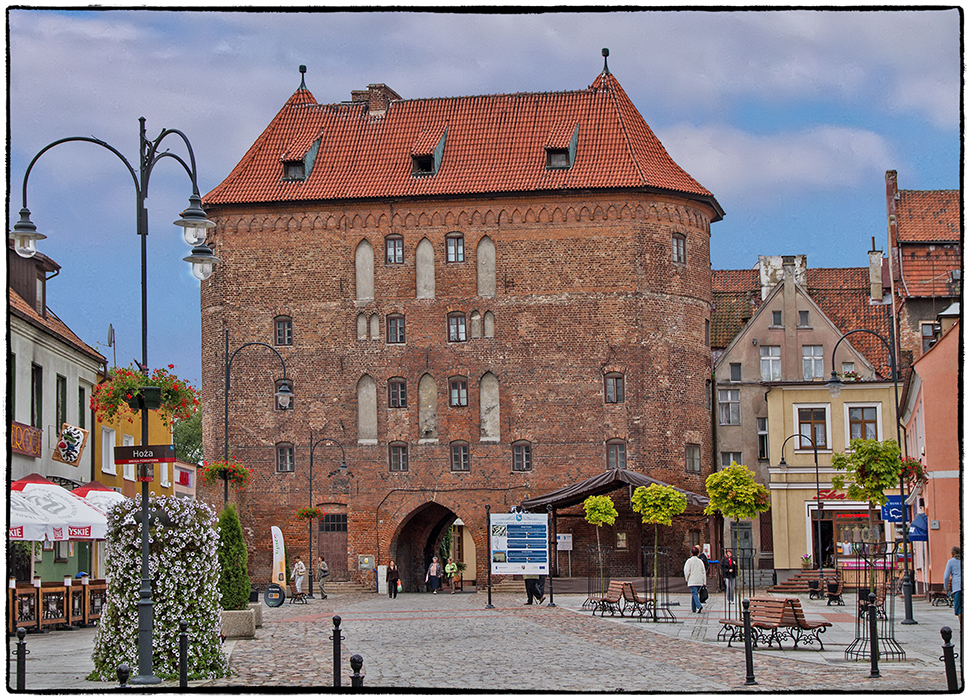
(284, 330)
(397, 393)
(614, 388)
(398, 457)
(678, 243)
(333, 522)
(284, 457)
(455, 248)
(616, 455)
(522, 457)
(459, 457)
(394, 246)
(456, 328)
(458, 394)
(692, 458)
(395, 329)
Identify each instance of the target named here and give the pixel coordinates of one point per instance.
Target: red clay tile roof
(928, 216)
(495, 143)
(52, 324)
(841, 293)
(927, 270)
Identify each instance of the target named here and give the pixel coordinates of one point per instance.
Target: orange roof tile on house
(925, 216)
(493, 144)
(51, 324)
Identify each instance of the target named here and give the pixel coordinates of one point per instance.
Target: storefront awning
(919, 529)
(604, 482)
(70, 516)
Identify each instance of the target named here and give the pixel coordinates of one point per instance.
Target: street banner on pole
(279, 557)
(519, 543)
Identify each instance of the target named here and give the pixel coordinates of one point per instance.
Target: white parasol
(70, 516)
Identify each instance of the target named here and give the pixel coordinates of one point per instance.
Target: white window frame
(817, 360)
(731, 457)
(108, 451)
(763, 436)
(808, 449)
(163, 474)
(773, 360)
(733, 401)
(129, 469)
(864, 404)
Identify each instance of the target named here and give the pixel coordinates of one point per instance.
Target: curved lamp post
(835, 389)
(342, 471)
(284, 399)
(195, 224)
(818, 495)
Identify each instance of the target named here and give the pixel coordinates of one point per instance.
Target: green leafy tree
(735, 494)
(187, 438)
(658, 505)
(233, 560)
(870, 468)
(600, 511)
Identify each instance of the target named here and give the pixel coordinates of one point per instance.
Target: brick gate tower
(481, 299)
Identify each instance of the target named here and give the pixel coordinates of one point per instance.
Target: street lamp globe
(194, 222)
(284, 395)
(835, 385)
(203, 262)
(25, 236)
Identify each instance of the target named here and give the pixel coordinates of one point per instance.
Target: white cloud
(734, 163)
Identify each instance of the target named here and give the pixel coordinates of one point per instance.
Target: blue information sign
(892, 512)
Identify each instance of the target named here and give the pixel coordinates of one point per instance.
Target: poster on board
(519, 543)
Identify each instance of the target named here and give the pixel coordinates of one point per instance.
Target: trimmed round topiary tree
(184, 571)
(233, 561)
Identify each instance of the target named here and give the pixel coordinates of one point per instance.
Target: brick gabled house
(481, 299)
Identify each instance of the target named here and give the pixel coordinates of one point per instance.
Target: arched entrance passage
(416, 542)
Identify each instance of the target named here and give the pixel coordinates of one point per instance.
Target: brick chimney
(377, 96)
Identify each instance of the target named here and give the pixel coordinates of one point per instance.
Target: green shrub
(233, 562)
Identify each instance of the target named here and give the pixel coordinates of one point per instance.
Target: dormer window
(294, 170)
(428, 151)
(557, 158)
(422, 165)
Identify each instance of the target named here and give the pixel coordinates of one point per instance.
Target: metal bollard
(873, 639)
(336, 637)
(183, 654)
(948, 658)
(21, 659)
(124, 671)
(748, 655)
(488, 536)
(356, 662)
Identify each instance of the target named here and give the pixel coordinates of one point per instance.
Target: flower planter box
(257, 609)
(239, 624)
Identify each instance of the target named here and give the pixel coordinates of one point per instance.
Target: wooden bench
(767, 622)
(802, 630)
(816, 590)
(296, 597)
(634, 602)
(833, 589)
(611, 601)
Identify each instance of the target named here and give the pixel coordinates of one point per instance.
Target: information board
(519, 543)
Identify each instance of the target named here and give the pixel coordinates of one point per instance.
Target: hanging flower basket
(230, 469)
(127, 389)
(913, 471)
(309, 513)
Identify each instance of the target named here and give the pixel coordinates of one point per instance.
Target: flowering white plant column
(185, 586)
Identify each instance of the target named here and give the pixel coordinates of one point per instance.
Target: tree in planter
(736, 495)
(233, 560)
(870, 468)
(184, 569)
(658, 505)
(599, 511)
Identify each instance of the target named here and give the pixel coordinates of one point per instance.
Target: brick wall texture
(585, 285)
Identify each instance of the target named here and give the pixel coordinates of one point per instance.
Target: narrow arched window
(424, 270)
(485, 255)
(364, 269)
(367, 410)
(616, 454)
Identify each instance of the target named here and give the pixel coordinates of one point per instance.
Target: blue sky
(791, 119)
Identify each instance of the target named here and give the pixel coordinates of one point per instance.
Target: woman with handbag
(696, 579)
(393, 580)
(433, 577)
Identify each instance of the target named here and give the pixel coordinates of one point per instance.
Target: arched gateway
(417, 539)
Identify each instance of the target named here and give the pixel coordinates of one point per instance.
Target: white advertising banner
(519, 543)
(279, 557)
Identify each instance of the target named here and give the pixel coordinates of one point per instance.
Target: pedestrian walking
(393, 579)
(433, 577)
(952, 581)
(531, 592)
(299, 572)
(451, 569)
(322, 572)
(729, 568)
(696, 577)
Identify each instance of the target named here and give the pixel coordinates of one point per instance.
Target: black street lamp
(835, 389)
(284, 400)
(341, 471)
(193, 220)
(818, 496)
